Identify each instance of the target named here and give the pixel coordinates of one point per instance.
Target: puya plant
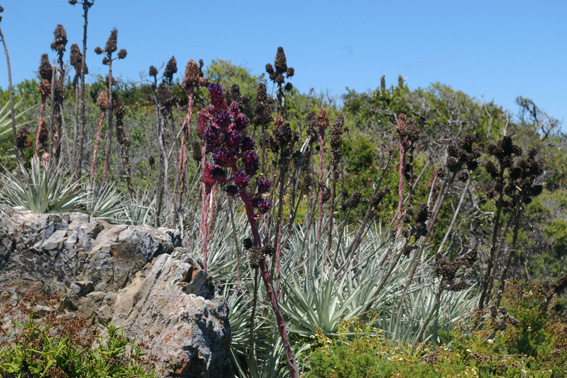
(234, 163)
(109, 49)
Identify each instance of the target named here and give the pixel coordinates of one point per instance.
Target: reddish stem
(41, 113)
(268, 282)
(209, 227)
(320, 220)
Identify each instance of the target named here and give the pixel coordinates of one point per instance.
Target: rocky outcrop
(135, 277)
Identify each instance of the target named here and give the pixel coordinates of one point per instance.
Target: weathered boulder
(136, 277)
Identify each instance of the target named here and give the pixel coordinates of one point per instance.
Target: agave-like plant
(140, 209)
(6, 120)
(104, 202)
(46, 189)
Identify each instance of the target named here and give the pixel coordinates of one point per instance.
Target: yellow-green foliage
(534, 347)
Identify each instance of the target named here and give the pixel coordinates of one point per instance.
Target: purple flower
(217, 98)
(222, 157)
(263, 186)
(233, 139)
(264, 205)
(241, 121)
(222, 119)
(250, 160)
(241, 179)
(218, 174)
(232, 190)
(234, 109)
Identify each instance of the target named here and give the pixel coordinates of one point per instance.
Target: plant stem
(86, 6)
(11, 90)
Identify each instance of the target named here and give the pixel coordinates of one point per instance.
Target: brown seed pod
(255, 255)
(44, 88)
(170, 69)
(122, 53)
(59, 40)
(192, 75)
(21, 137)
(45, 71)
(103, 101)
(197, 151)
(111, 42)
(153, 71)
(43, 133)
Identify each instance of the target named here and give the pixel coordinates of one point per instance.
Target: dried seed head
(280, 63)
(269, 250)
(153, 71)
(290, 72)
(122, 54)
(105, 61)
(43, 133)
(166, 98)
(21, 137)
(59, 40)
(270, 69)
(197, 156)
(353, 201)
(255, 255)
(151, 161)
(170, 69)
(192, 75)
(103, 101)
(72, 2)
(76, 58)
(322, 121)
(111, 42)
(45, 71)
(262, 108)
(337, 142)
(44, 88)
(98, 50)
(118, 107)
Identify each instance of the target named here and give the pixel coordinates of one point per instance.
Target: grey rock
(135, 277)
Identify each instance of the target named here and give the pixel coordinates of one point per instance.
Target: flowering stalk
(103, 102)
(322, 123)
(235, 162)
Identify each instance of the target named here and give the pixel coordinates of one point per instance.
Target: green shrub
(35, 351)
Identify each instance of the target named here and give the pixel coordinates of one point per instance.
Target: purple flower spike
(222, 119)
(234, 109)
(250, 160)
(218, 174)
(217, 98)
(264, 205)
(241, 180)
(222, 157)
(241, 121)
(233, 139)
(232, 190)
(264, 186)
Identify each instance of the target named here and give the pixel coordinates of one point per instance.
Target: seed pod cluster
(263, 106)
(462, 154)
(279, 72)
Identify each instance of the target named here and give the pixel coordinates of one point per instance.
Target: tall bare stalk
(11, 90)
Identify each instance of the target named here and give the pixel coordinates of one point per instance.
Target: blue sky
(492, 50)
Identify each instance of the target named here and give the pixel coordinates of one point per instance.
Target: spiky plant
(46, 189)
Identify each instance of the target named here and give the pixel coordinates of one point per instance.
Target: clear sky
(492, 50)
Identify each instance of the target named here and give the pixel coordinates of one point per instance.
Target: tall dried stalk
(10, 89)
